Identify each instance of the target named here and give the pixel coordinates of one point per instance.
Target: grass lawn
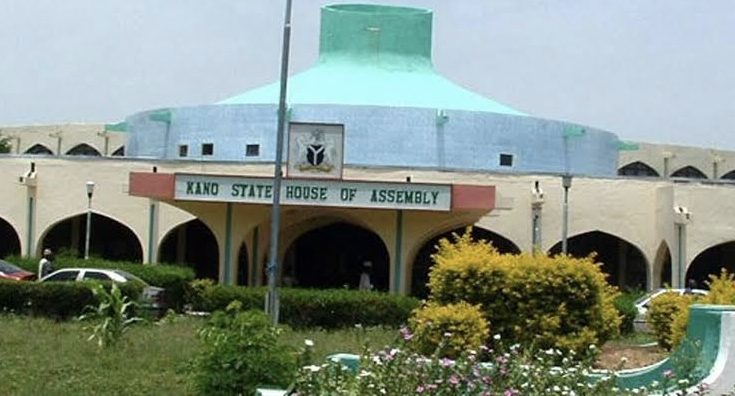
(41, 357)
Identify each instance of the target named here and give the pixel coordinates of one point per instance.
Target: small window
(506, 159)
(252, 150)
(96, 275)
(183, 150)
(207, 149)
(63, 276)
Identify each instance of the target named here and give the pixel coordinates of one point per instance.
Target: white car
(643, 303)
(152, 296)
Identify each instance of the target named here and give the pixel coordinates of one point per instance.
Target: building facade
(417, 158)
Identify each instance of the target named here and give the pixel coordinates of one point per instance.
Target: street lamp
(90, 191)
(271, 302)
(566, 182)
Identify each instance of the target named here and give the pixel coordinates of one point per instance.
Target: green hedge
(58, 300)
(173, 278)
(310, 308)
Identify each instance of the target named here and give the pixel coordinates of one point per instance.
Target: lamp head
(90, 188)
(566, 180)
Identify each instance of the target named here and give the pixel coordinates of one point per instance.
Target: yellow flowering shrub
(721, 292)
(721, 289)
(449, 329)
(662, 313)
(560, 301)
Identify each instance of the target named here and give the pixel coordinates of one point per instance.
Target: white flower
(496, 337)
(309, 343)
(313, 368)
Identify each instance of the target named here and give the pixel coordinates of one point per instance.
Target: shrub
(721, 292)
(174, 279)
(560, 301)
(4, 144)
(241, 351)
(624, 304)
(721, 289)
(449, 329)
(59, 300)
(309, 308)
(661, 314)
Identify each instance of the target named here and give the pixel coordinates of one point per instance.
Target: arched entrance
(624, 263)
(83, 149)
(108, 238)
(331, 257)
(711, 262)
(39, 149)
(663, 264)
(193, 244)
(639, 169)
(9, 240)
(689, 172)
(422, 263)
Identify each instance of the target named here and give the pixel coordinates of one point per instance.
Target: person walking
(46, 264)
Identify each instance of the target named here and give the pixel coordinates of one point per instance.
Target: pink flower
(668, 374)
(406, 334)
(453, 379)
(419, 389)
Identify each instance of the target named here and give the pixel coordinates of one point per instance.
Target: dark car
(13, 272)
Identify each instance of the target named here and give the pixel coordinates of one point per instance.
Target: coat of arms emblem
(316, 152)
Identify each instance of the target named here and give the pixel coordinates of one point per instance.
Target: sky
(659, 71)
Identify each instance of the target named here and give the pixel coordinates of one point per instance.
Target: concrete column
(397, 278)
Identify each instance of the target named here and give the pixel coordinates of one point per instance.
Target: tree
(4, 144)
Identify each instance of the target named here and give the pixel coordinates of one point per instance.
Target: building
(386, 156)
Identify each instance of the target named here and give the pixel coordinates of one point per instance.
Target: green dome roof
(374, 55)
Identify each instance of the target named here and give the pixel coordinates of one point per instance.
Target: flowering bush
(551, 302)
(721, 292)
(462, 322)
(500, 371)
(662, 313)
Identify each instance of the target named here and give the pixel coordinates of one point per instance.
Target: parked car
(13, 272)
(152, 297)
(644, 302)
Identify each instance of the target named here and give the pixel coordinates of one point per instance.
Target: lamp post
(566, 182)
(570, 131)
(90, 191)
(271, 302)
(537, 203)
